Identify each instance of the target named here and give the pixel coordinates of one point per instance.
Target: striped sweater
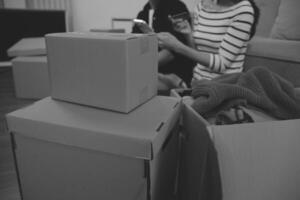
(224, 34)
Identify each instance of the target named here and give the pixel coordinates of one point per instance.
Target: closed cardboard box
(257, 160)
(67, 151)
(31, 77)
(107, 70)
(28, 47)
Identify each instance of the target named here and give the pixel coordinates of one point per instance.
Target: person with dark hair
(175, 69)
(218, 38)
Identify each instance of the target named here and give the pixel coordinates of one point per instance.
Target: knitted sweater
(258, 87)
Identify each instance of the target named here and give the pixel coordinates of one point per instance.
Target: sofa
(276, 44)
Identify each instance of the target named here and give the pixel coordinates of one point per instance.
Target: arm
(164, 57)
(190, 41)
(168, 41)
(231, 53)
(200, 57)
(233, 47)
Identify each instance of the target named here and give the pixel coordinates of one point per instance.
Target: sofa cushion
(268, 12)
(275, 49)
(287, 24)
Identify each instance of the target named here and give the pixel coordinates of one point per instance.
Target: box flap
(259, 158)
(99, 35)
(136, 134)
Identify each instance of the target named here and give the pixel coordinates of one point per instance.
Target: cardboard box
(257, 160)
(114, 30)
(67, 151)
(28, 47)
(31, 77)
(106, 70)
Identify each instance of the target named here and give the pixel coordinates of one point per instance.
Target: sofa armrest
(285, 50)
(279, 56)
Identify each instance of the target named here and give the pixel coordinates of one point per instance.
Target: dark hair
(256, 15)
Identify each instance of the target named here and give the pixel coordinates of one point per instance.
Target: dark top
(181, 66)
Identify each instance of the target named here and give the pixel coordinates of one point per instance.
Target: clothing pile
(227, 97)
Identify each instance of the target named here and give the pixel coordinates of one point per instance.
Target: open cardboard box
(257, 160)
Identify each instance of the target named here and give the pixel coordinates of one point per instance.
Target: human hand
(168, 41)
(180, 23)
(143, 26)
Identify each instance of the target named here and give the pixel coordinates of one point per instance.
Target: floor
(8, 103)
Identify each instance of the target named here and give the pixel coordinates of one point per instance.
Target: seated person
(218, 39)
(175, 70)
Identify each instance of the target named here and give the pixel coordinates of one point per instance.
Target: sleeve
(232, 51)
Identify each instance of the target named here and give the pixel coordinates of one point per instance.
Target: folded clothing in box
(113, 71)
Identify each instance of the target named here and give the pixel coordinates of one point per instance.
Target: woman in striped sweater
(219, 36)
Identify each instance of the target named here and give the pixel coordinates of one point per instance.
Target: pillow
(287, 23)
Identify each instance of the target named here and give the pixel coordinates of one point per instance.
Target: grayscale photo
(149, 100)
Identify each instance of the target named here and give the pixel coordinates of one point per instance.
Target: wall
(14, 4)
(98, 13)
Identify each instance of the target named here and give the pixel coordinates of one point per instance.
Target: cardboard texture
(31, 77)
(106, 70)
(86, 153)
(28, 47)
(257, 160)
